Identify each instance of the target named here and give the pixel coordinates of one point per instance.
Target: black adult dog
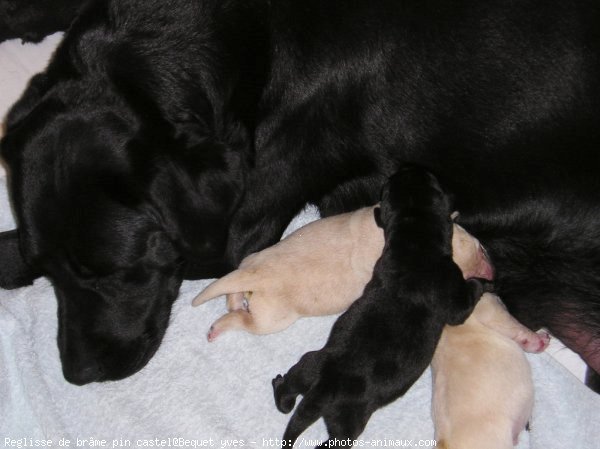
(382, 344)
(171, 140)
(32, 20)
(127, 158)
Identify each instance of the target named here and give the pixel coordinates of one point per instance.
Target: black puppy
(381, 345)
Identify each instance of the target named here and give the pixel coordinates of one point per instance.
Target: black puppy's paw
(284, 400)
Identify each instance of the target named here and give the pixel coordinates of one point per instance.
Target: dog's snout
(83, 373)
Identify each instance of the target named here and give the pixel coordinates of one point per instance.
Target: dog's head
(114, 203)
(412, 190)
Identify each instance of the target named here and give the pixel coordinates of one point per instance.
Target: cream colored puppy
(483, 392)
(320, 269)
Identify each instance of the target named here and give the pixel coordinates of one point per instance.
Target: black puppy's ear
(476, 287)
(14, 271)
(377, 215)
(38, 86)
(467, 300)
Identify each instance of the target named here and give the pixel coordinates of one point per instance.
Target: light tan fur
(318, 270)
(482, 386)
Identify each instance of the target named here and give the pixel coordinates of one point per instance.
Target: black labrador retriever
(169, 141)
(124, 170)
(32, 20)
(384, 342)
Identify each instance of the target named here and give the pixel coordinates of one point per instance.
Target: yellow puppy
(483, 392)
(318, 270)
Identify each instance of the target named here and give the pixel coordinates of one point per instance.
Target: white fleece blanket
(194, 393)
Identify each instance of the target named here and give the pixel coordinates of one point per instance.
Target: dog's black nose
(85, 374)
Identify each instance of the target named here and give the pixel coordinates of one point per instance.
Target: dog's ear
(476, 287)
(38, 86)
(466, 300)
(14, 271)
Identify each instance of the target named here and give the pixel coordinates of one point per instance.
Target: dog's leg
(256, 318)
(347, 422)
(345, 415)
(257, 224)
(492, 313)
(586, 343)
(298, 380)
(309, 410)
(234, 282)
(236, 320)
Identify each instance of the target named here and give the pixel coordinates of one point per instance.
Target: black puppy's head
(412, 192)
(110, 206)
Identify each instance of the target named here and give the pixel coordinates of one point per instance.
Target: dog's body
(466, 90)
(319, 269)
(31, 21)
(482, 387)
(204, 127)
(381, 345)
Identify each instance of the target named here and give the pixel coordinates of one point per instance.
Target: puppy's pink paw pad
(212, 334)
(536, 344)
(544, 341)
(529, 345)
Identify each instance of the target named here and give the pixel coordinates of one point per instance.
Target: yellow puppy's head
(470, 256)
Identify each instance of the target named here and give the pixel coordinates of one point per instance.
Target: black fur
(32, 20)
(592, 380)
(15, 272)
(126, 160)
(499, 98)
(163, 120)
(382, 344)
